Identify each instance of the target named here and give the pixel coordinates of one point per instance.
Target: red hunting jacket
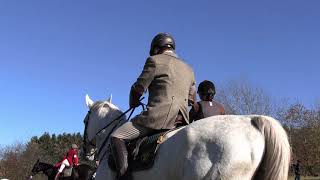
(71, 156)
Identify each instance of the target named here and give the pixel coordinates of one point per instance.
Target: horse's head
(100, 113)
(41, 167)
(36, 168)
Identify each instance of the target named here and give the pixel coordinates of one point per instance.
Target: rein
(113, 128)
(116, 119)
(104, 142)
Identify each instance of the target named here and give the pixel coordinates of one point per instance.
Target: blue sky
(54, 52)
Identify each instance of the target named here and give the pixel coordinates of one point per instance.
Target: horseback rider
(171, 86)
(207, 106)
(297, 170)
(70, 159)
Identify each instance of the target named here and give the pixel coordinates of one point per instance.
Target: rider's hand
(134, 104)
(135, 94)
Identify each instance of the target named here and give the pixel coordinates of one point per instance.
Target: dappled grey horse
(225, 147)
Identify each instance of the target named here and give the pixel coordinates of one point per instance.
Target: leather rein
(86, 121)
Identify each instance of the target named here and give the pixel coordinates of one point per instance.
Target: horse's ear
(89, 102)
(110, 99)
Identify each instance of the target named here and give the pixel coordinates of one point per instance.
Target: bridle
(86, 121)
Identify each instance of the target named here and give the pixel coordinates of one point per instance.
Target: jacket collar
(171, 53)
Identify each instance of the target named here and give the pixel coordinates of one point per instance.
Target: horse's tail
(276, 159)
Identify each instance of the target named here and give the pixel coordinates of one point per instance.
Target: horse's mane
(45, 166)
(105, 108)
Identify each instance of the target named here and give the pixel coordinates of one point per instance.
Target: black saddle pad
(141, 152)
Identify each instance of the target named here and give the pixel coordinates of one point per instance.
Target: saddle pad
(142, 152)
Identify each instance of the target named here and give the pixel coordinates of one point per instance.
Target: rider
(171, 86)
(207, 106)
(297, 170)
(70, 159)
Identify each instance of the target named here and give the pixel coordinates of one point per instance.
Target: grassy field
(305, 178)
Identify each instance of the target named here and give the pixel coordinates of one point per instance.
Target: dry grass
(305, 178)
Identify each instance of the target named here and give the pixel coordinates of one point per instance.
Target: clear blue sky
(54, 52)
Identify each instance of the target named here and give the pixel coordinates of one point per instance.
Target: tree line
(302, 124)
(16, 161)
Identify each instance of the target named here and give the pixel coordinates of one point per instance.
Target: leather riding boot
(57, 176)
(120, 155)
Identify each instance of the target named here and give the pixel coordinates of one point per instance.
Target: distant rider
(70, 159)
(297, 170)
(207, 106)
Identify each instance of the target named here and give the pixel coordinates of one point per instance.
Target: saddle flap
(67, 172)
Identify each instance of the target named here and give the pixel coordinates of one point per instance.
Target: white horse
(225, 147)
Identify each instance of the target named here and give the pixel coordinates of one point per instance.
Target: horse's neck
(114, 114)
(111, 118)
(105, 134)
(46, 168)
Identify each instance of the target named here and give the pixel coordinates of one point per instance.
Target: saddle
(67, 171)
(141, 152)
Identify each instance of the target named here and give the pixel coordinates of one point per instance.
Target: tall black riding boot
(120, 155)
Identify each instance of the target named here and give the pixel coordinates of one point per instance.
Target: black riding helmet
(162, 40)
(207, 88)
